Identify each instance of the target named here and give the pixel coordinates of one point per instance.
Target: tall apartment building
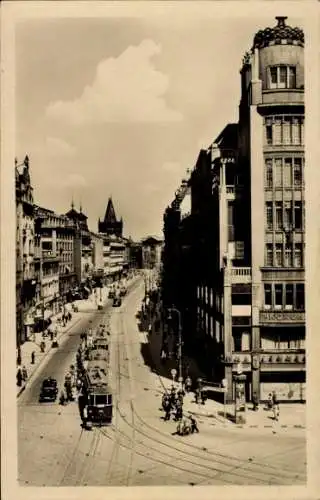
(246, 244)
(57, 235)
(25, 273)
(151, 252)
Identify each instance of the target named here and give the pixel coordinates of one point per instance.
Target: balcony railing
(240, 275)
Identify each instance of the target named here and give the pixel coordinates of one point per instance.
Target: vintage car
(116, 302)
(123, 291)
(111, 294)
(49, 390)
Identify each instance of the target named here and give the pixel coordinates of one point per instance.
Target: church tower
(110, 225)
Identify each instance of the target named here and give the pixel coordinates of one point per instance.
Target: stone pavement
(84, 306)
(291, 415)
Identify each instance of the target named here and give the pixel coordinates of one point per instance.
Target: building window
(269, 255)
(269, 175)
(282, 77)
(286, 130)
(298, 262)
(269, 215)
(298, 215)
(239, 250)
(278, 295)
(296, 131)
(269, 135)
(300, 296)
(287, 172)
(278, 255)
(267, 296)
(288, 256)
(277, 131)
(279, 215)
(297, 171)
(289, 296)
(278, 172)
(287, 215)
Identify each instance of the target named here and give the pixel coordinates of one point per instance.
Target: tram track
(256, 473)
(268, 473)
(89, 456)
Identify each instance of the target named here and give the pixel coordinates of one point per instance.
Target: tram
(96, 390)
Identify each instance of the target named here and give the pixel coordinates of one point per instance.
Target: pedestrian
(33, 357)
(255, 402)
(19, 378)
(24, 373)
(62, 398)
(188, 384)
(194, 424)
(270, 402)
(274, 398)
(51, 335)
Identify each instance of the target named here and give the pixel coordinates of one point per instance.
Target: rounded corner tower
(271, 147)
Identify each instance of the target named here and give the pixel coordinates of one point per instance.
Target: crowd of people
(172, 404)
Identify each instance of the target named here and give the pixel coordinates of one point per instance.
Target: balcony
(280, 97)
(240, 275)
(284, 317)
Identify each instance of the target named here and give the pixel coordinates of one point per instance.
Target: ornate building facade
(25, 273)
(243, 244)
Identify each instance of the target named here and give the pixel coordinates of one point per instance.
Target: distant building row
(56, 253)
(234, 251)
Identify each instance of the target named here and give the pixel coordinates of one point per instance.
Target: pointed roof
(110, 216)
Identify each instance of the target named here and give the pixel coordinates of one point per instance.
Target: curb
(230, 425)
(44, 358)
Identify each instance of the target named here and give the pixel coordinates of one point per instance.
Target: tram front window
(100, 400)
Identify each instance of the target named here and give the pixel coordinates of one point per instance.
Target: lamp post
(178, 313)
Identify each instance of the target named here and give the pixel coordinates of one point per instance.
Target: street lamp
(178, 313)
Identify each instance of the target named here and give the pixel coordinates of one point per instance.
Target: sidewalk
(292, 416)
(84, 306)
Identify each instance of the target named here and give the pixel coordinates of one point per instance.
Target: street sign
(173, 372)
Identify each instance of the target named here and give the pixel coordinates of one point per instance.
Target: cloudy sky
(121, 107)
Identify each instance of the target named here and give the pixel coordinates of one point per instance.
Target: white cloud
(59, 147)
(125, 89)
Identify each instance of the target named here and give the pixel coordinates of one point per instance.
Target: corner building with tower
(242, 245)
(270, 158)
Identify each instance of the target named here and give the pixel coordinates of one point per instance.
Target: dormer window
(282, 77)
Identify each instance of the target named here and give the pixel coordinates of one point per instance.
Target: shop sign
(282, 316)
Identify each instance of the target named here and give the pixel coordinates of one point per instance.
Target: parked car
(111, 294)
(49, 390)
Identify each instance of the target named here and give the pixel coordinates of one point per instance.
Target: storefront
(290, 386)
